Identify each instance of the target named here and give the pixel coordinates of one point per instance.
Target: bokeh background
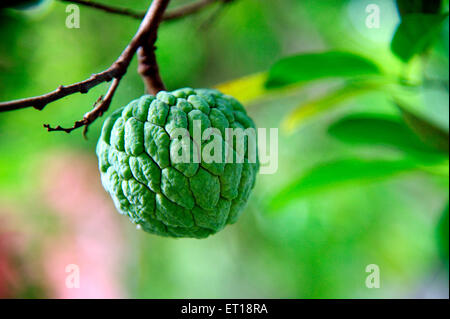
(355, 184)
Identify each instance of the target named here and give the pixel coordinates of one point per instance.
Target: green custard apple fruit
(139, 151)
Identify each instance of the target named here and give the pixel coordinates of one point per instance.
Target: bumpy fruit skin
(162, 196)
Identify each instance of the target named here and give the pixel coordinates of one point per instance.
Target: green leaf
(314, 66)
(376, 130)
(428, 132)
(340, 173)
(415, 34)
(325, 103)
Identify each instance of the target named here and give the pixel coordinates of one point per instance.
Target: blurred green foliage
(415, 33)
(363, 168)
(309, 67)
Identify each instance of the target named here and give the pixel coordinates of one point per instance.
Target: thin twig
(100, 107)
(144, 40)
(149, 69)
(116, 70)
(108, 8)
(171, 15)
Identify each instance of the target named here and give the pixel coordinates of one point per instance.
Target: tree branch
(147, 29)
(100, 107)
(39, 102)
(171, 15)
(148, 68)
(143, 40)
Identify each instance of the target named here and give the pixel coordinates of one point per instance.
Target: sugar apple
(136, 153)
